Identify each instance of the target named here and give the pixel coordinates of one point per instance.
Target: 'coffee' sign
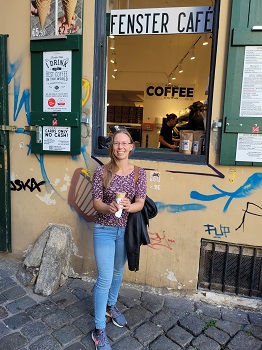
(174, 20)
(162, 91)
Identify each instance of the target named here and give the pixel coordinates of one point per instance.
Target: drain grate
(230, 268)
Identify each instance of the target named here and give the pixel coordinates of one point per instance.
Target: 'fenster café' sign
(174, 20)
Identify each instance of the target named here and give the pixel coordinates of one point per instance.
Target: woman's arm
(104, 208)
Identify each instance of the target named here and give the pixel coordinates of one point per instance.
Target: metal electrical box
(56, 95)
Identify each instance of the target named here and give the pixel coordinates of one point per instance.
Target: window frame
(99, 94)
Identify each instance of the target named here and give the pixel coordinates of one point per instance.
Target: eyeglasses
(123, 144)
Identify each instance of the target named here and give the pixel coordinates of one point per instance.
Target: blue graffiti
(14, 75)
(253, 183)
(176, 208)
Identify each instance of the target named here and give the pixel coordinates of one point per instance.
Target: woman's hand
(125, 204)
(114, 207)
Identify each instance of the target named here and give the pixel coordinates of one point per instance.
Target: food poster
(57, 76)
(51, 18)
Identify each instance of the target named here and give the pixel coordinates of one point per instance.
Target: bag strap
(136, 171)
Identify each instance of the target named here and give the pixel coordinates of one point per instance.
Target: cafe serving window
(154, 58)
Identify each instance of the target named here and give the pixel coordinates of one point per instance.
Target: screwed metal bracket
(8, 128)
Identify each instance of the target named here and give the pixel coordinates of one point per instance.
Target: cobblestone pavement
(155, 322)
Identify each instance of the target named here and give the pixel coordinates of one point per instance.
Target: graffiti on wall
(31, 184)
(223, 231)
(160, 241)
(21, 98)
(253, 183)
(251, 209)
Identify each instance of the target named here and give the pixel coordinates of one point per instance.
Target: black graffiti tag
(31, 184)
(248, 211)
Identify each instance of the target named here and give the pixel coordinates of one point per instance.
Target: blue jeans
(110, 255)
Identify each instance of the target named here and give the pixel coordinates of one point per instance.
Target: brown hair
(112, 167)
(171, 116)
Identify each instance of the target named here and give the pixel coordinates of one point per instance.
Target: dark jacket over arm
(136, 232)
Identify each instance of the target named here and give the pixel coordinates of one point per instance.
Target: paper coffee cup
(119, 196)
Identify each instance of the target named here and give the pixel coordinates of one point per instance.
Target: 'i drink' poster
(51, 18)
(57, 76)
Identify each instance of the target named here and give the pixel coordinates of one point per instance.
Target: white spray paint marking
(57, 181)
(63, 188)
(21, 145)
(67, 179)
(171, 276)
(47, 198)
(12, 176)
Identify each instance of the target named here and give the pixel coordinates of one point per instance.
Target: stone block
(3, 312)
(67, 334)
(55, 260)
(13, 341)
(34, 256)
(136, 316)
(192, 324)
(20, 304)
(217, 335)
(164, 343)
(204, 343)
(44, 343)
(34, 330)
(147, 333)
(234, 315)
(128, 343)
(57, 319)
(180, 336)
(230, 328)
(165, 319)
(244, 341)
(14, 293)
(17, 321)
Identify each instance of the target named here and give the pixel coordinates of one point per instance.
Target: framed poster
(50, 18)
(57, 77)
(251, 94)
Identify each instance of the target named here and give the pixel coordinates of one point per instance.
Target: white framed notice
(251, 93)
(57, 138)
(249, 148)
(57, 80)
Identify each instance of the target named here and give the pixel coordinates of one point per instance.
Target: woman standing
(109, 246)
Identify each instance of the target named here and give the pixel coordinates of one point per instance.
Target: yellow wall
(172, 259)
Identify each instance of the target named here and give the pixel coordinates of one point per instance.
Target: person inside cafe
(196, 119)
(166, 137)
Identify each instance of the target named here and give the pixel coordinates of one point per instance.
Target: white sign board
(251, 94)
(249, 148)
(57, 77)
(56, 138)
(174, 20)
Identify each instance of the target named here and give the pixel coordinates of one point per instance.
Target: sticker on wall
(56, 138)
(155, 176)
(56, 17)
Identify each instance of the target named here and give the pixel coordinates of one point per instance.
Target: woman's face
(122, 146)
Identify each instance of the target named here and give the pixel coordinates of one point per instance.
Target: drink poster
(57, 78)
(50, 18)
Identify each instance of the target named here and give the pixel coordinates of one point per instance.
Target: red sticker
(54, 122)
(255, 129)
(51, 102)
